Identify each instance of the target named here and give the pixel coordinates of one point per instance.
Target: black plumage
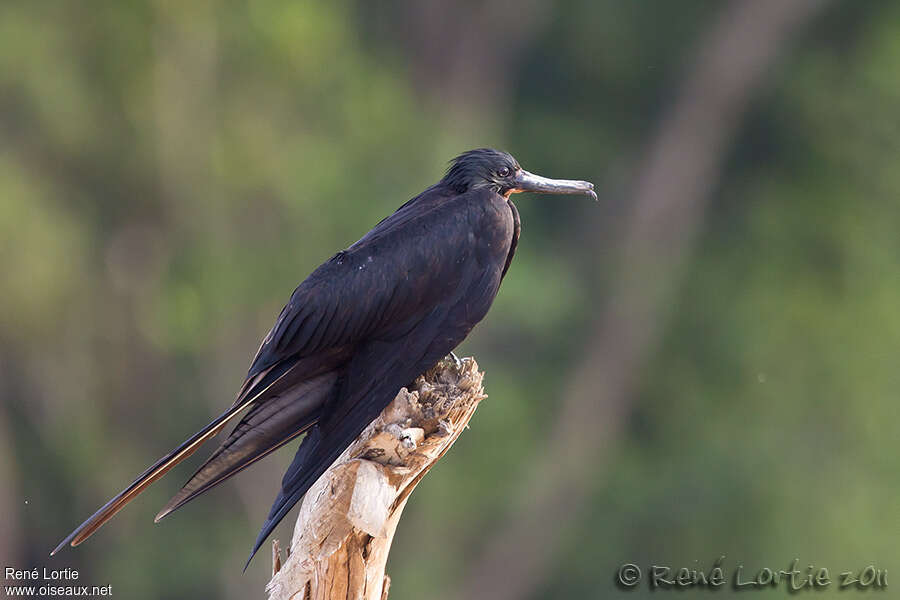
(364, 324)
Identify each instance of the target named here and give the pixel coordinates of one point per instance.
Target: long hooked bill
(529, 182)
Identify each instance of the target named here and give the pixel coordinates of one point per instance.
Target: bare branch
(348, 518)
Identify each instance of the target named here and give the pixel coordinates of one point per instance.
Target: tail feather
(264, 429)
(154, 472)
(317, 452)
(247, 397)
(290, 493)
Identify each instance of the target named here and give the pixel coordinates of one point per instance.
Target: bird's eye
(504, 172)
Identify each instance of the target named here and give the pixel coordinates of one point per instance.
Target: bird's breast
(494, 231)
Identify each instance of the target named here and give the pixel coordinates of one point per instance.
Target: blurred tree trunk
(672, 190)
(348, 518)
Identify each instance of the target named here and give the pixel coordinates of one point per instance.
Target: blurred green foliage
(170, 171)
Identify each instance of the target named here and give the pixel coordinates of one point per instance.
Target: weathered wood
(348, 518)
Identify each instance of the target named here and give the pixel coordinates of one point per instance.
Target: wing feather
(355, 295)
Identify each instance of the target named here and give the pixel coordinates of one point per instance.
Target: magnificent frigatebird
(361, 326)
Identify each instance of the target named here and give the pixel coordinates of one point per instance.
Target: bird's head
(499, 171)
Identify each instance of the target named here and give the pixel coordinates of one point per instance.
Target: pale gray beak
(529, 182)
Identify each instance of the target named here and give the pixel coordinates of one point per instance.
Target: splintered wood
(348, 517)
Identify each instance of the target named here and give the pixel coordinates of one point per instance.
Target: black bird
(361, 326)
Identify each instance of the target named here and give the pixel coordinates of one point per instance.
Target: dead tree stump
(348, 517)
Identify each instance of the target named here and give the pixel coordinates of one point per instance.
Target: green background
(170, 171)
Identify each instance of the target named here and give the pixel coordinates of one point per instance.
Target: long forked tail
(154, 472)
(266, 427)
